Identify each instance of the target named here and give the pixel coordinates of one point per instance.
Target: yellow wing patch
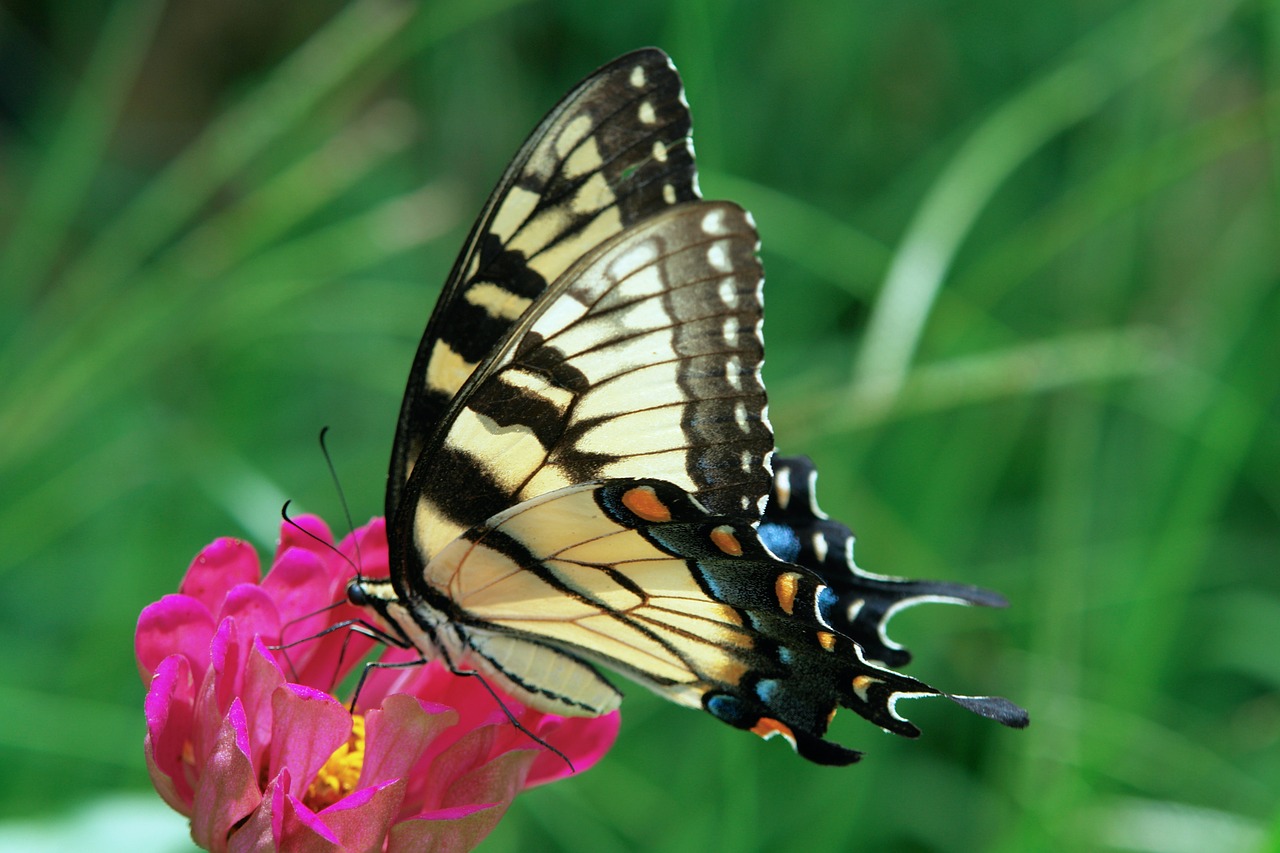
(557, 571)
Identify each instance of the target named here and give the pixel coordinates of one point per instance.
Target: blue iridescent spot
(709, 578)
(767, 689)
(781, 540)
(827, 602)
(730, 709)
(784, 655)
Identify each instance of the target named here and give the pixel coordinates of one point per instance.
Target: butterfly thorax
(408, 621)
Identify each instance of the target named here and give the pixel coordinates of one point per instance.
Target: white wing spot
(638, 78)
(647, 115)
(740, 415)
(820, 547)
(713, 222)
(782, 486)
(730, 331)
(733, 373)
(728, 293)
(748, 462)
(668, 194)
(659, 151)
(719, 260)
(632, 260)
(854, 608)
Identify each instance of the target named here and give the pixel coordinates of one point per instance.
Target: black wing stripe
(644, 362)
(645, 642)
(635, 185)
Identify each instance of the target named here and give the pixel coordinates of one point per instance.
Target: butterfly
(583, 470)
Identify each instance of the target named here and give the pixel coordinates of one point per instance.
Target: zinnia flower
(250, 744)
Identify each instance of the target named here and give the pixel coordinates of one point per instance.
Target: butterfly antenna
(342, 497)
(284, 514)
(284, 647)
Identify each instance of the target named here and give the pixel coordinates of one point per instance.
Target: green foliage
(1022, 310)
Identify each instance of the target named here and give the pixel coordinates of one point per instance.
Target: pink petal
(497, 781)
(254, 611)
(327, 660)
(307, 726)
(227, 658)
(168, 712)
(303, 831)
(301, 585)
(262, 677)
(445, 763)
(371, 554)
(228, 788)
(397, 734)
(585, 740)
(386, 681)
(292, 537)
(261, 832)
(206, 721)
(451, 831)
(218, 568)
(468, 695)
(361, 820)
(174, 624)
(473, 806)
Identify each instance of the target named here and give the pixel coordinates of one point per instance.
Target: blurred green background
(1022, 310)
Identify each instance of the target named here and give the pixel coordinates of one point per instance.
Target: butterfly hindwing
(638, 576)
(798, 531)
(613, 152)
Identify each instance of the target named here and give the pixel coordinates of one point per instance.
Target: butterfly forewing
(642, 360)
(613, 152)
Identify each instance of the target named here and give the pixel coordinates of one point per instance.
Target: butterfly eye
(356, 593)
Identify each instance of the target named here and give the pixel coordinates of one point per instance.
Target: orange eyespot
(827, 640)
(767, 728)
(644, 502)
(860, 685)
(785, 588)
(723, 538)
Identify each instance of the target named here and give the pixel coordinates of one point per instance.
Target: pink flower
(252, 746)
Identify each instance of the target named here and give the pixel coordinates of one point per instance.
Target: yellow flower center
(339, 775)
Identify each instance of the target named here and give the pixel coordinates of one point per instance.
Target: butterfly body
(582, 467)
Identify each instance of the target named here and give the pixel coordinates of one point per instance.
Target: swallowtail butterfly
(583, 470)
